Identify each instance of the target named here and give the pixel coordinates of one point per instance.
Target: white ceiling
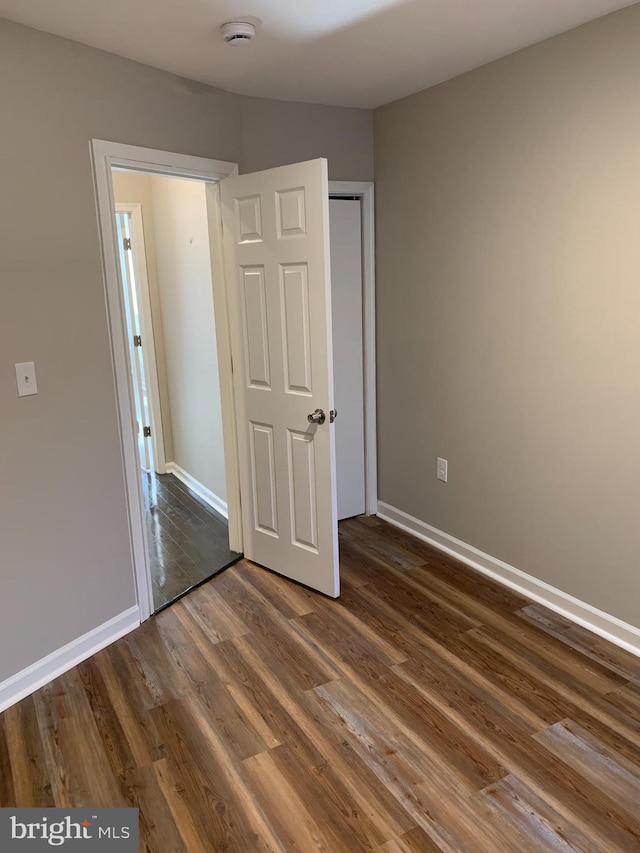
(358, 53)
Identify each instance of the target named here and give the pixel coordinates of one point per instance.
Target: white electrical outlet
(442, 469)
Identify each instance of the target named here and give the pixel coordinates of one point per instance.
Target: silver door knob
(317, 417)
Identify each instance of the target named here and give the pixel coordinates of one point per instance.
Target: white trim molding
(43, 671)
(199, 489)
(364, 190)
(610, 627)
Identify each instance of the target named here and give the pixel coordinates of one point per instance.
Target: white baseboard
(196, 486)
(601, 623)
(43, 671)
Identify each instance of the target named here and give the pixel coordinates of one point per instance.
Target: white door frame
(365, 192)
(146, 322)
(105, 156)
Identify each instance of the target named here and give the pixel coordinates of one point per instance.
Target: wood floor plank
(170, 485)
(419, 609)
(312, 734)
(610, 772)
(531, 822)
(292, 820)
(226, 821)
(465, 579)
(427, 709)
(469, 761)
(411, 637)
(415, 840)
(626, 700)
(188, 541)
(136, 728)
(214, 616)
(24, 759)
(589, 644)
(375, 544)
(510, 625)
(180, 809)
(356, 569)
(289, 600)
(435, 731)
(187, 644)
(586, 706)
(136, 692)
(417, 777)
(147, 655)
(328, 800)
(7, 788)
(549, 776)
(158, 830)
(336, 815)
(305, 661)
(459, 575)
(543, 707)
(339, 616)
(348, 649)
(109, 723)
(422, 551)
(199, 545)
(78, 767)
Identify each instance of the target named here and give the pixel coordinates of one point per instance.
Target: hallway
(188, 541)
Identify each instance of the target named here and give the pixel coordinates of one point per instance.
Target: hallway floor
(188, 540)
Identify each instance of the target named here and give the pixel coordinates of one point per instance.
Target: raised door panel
(291, 215)
(249, 219)
(296, 342)
(265, 508)
(302, 490)
(255, 327)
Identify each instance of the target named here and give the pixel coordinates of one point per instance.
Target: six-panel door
(276, 243)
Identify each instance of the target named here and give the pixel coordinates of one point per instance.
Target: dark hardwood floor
(428, 709)
(188, 541)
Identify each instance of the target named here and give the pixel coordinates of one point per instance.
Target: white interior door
(346, 306)
(276, 246)
(134, 331)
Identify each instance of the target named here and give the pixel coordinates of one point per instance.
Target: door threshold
(199, 583)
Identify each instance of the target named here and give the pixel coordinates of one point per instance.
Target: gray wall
(275, 132)
(65, 563)
(509, 308)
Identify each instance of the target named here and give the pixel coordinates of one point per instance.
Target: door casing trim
(105, 156)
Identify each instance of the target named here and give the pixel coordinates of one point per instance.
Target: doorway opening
(269, 253)
(165, 265)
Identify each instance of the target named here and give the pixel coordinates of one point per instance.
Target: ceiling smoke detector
(238, 32)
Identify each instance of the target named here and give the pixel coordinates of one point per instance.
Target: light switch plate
(26, 379)
(442, 469)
